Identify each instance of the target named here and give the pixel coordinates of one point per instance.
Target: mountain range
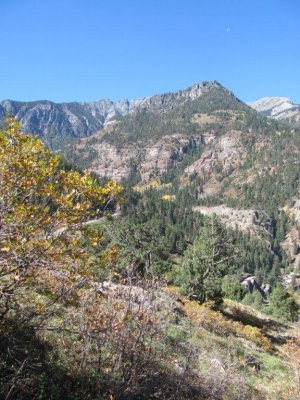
(55, 123)
(201, 143)
(58, 123)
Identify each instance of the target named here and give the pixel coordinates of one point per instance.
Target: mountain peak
(198, 89)
(281, 108)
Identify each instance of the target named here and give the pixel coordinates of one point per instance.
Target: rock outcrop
(291, 243)
(250, 284)
(224, 152)
(281, 108)
(252, 221)
(151, 160)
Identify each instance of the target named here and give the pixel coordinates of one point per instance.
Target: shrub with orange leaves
(215, 322)
(291, 352)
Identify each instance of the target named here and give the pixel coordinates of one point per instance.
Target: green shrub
(282, 304)
(234, 291)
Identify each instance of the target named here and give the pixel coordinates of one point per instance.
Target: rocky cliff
(281, 108)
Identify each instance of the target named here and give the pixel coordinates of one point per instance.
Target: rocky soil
(252, 221)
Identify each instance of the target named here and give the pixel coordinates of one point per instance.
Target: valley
(154, 254)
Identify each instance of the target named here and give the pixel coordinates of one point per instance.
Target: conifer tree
(282, 304)
(206, 262)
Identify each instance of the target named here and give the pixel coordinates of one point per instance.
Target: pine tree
(283, 305)
(206, 262)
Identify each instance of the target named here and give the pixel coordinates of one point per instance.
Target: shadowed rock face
(51, 120)
(226, 151)
(251, 284)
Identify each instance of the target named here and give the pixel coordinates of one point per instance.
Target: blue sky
(83, 50)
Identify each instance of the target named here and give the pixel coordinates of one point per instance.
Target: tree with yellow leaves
(43, 210)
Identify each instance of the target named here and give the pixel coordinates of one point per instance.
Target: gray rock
(280, 108)
(57, 123)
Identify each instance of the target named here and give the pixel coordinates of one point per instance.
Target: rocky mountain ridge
(163, 130)
(280, 108)
(57, 123)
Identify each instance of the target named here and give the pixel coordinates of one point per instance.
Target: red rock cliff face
(152, 159)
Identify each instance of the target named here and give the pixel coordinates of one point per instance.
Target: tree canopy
(43, 209)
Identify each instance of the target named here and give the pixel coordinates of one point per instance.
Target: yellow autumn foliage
(215, 322)
(168, 197)
(42, 207)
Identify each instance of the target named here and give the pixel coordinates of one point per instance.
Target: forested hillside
(201, 151)
(172, 283)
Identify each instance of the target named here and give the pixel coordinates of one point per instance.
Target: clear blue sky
(83, 50)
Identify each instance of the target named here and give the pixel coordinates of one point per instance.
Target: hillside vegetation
(125, 290)
(203, 150)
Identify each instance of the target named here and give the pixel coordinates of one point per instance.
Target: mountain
(200, 146)
(57, 124)
(280, 108)
(162, 130)
(204, 148)
(92, 308)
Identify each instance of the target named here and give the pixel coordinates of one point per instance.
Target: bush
(254, 300)
(234, 291)
(282, 304)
